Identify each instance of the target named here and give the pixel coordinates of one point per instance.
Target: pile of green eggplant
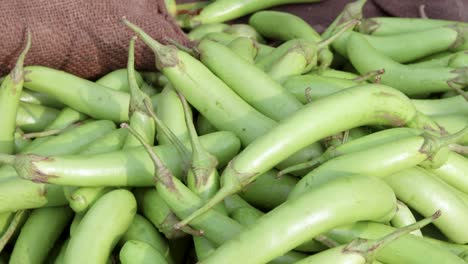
(264, 142)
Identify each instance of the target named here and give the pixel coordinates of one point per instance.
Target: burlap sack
(83, 37)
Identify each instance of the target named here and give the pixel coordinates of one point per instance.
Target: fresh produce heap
(327, 148)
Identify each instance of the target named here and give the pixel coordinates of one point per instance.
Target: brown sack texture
(83, 37)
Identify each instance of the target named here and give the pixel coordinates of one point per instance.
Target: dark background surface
(320, 15)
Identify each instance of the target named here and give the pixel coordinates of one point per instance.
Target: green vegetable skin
(295, 61)
(450, 113)
(443, 59)
(143, 230)
(83, 95)
(308, 48)
(363, 251)
(282, 26)
(143, 123)
(20, 142)
(241, 211)
(440, 59)
(44, 225)
(443, 106)
(404, 217)
(248, 215)
(28, 96)
(454, 171)
(202, 178)
(224, 10)
(255, 87)
(204, 126)
(10, 92)
(380, 26)
(407, 249)
(410, 80)
(34, 117)
(131, 167)
(201, 31)
(61, 254)
(118, 80)
(5, 219)
(245, 48)
(360, 105)
(244, 30)
(285, 26)
(153, 207)
(17, 221)
(320, 86)
(112, 141)
(310, 210)
(459, 60)
(380, 161)
(167, 103)
(216, 226)
(407, 47)
(171, 113)
(424, 193)
(368, 143)
(212, 97)
(207, 93)
(345, 200)
(137, 252)
(109, 217)
(269, 191)
(336, 74)
(182, 200)
(67, 117)
(337, 255)
(81, 199)
(73, 140)
(140, 118)
(352, 10)
(19, 194)
(171, 7)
